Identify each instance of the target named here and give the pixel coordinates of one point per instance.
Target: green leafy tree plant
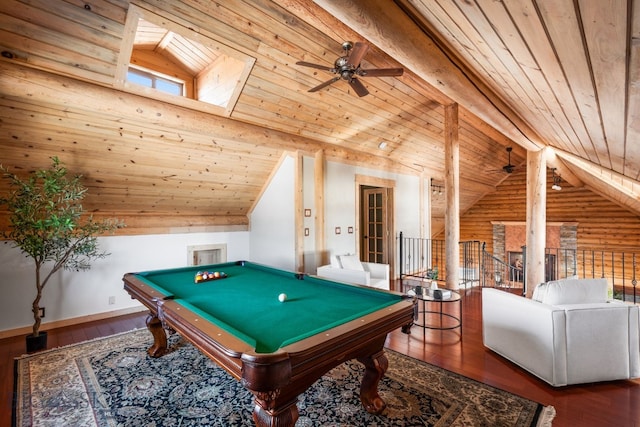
(45, 222)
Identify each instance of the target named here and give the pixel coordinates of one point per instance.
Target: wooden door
(374, 247)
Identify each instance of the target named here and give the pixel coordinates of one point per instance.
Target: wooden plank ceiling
(527, 74)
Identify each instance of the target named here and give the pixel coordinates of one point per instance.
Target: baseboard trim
(73, 321)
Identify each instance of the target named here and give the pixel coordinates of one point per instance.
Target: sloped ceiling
(564, 73)
(526, 74)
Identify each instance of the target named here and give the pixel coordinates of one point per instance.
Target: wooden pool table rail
(277, 379)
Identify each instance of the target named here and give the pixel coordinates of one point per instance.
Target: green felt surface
(246, 302)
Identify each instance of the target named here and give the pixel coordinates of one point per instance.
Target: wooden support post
(322, 257)
(298, 198)
(452, 195)
(425, 207)
(536, 227)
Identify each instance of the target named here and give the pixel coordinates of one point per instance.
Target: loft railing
(421, 258)
(621, 268)
(498, 273)
(425, 259)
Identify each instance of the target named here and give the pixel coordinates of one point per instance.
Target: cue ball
(282, 297)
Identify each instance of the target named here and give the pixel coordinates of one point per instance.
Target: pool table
(276, 349)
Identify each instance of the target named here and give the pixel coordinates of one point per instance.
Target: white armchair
(349, 269)
(572, 335)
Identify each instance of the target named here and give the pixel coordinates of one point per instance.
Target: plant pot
(36, 343)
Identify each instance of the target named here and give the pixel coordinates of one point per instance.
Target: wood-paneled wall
(168, 163)
(602, 224)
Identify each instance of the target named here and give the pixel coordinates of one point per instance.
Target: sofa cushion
(539, 291)
(571, 291)
(351, 262)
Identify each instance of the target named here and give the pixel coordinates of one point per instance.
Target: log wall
(602, 224)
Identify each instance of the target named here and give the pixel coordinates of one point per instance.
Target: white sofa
(568, 333)
(349, 269)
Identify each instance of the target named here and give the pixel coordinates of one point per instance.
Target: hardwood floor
(603, 404)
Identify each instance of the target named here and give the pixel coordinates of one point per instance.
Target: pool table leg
(375, 367)
(159, 346)
(284, 416)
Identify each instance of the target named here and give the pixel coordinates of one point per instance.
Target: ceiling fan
(508, 168)
(347, 67)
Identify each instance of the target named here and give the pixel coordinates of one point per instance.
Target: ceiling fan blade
(380, 72)
(358, 87)
(319, 67)
(325, 84)
(357, 53)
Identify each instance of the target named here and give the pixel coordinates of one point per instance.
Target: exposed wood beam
(386, 25)
(607, 183)
(553, 161)
(39, 86)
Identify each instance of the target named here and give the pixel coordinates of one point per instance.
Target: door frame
(389, 185)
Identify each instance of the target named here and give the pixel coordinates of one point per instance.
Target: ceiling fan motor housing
(347, 67)
(344, 68)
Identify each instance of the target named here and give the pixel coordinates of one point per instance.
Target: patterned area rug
(112, 382)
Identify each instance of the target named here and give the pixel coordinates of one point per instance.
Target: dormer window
(163, 60)
(155, 80)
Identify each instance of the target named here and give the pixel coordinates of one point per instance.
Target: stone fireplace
(509, 238)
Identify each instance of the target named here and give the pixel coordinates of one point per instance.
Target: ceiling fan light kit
(436, 189)
(348, 67)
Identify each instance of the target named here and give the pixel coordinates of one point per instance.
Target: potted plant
(45, 222)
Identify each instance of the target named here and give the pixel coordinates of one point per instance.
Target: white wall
(407, 206)
(272, 235)
(74, 294)
(273, 219)
(271, 241)
(340, 208)
(340, 205)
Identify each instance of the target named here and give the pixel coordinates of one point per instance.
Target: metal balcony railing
(619, 267)
(425, 259)
(498, 273)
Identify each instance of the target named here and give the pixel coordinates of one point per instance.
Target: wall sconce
(556, 180)
(436, 189)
